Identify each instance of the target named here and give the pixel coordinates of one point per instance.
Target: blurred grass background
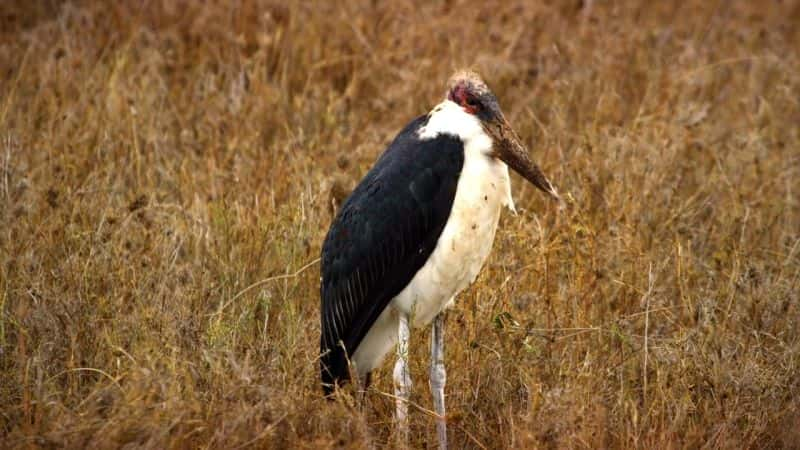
(168, 167)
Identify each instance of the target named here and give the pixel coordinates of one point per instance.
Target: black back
(381, 236)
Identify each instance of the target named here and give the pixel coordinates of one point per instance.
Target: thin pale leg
(402, 378)
(438, 378)
(363, 386)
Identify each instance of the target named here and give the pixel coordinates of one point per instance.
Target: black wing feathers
(381, 237)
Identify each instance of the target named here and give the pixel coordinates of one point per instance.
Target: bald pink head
(468, 90)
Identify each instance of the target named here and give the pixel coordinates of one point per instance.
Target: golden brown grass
(166, 168)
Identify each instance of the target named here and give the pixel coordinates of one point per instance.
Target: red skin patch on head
(459, 95)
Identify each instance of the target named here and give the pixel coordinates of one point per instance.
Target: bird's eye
(472, 103)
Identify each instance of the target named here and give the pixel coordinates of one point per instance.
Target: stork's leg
(402, 377)
(438, 378)
(363, 386)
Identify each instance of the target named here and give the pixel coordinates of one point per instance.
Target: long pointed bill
(509, 149)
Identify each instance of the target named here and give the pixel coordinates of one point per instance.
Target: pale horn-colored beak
(509, 149)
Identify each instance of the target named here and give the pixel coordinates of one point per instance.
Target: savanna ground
(168, 171)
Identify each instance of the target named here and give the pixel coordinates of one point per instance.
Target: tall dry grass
(167, 167)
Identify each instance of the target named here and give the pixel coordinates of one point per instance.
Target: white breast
(483, 189)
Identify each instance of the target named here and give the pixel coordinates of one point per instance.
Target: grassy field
(168, 170)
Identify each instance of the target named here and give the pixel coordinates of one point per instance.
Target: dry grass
(165, 165)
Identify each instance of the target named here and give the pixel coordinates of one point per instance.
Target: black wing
(382, 235)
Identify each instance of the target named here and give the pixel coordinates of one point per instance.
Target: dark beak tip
(514, 154)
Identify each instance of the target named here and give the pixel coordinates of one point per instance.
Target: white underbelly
(483, 189)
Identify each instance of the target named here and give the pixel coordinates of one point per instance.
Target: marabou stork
(413, 234)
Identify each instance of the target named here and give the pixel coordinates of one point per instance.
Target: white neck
(449, 118)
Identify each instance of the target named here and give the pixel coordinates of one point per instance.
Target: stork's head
(468, 90)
